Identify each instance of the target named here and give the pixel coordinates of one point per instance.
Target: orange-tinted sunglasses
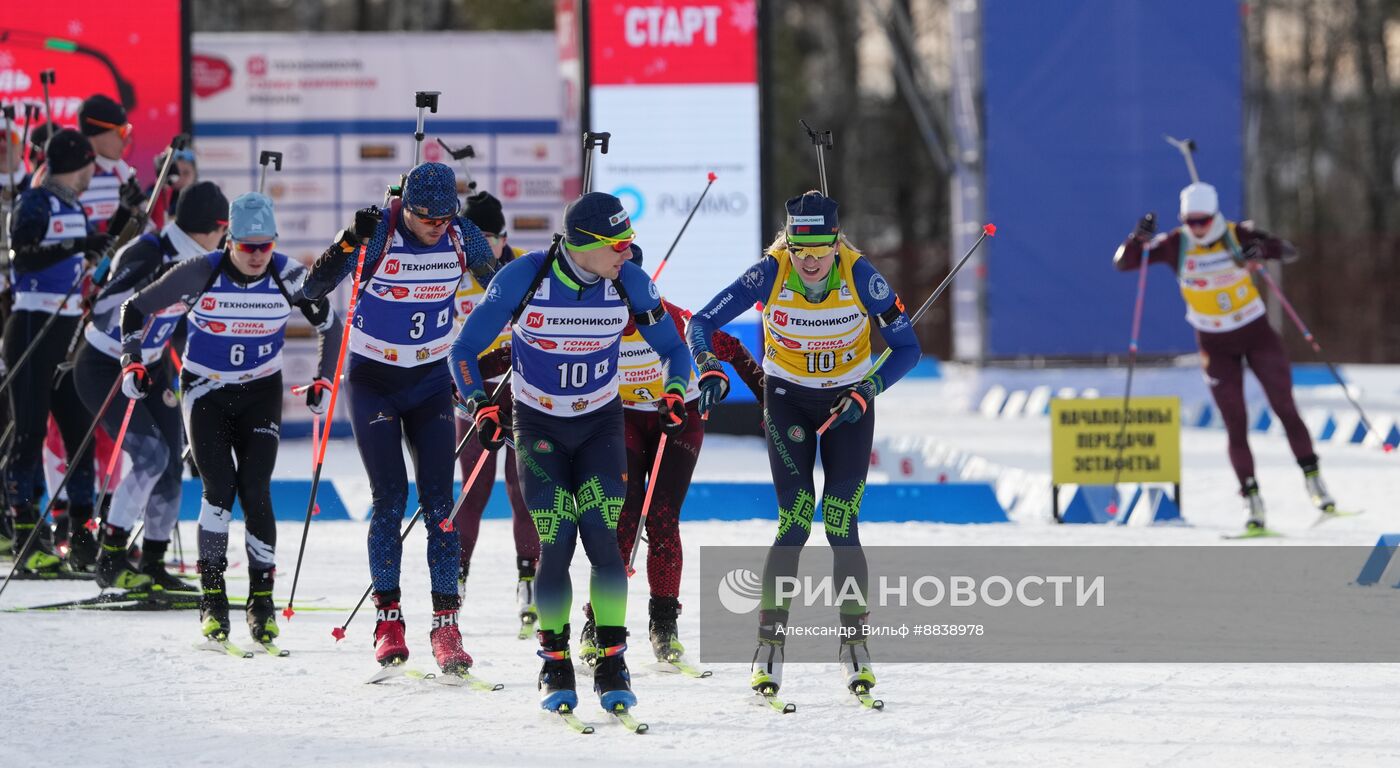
(122, 130)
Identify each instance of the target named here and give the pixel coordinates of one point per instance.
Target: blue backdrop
(1077, 97)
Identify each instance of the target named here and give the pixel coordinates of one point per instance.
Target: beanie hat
(812, 220)
(595, 220)
(250, 217)
(484, 211)
(431, 191)
(68, 151)
(1199, 197)
(38, 137)
(201, 208)
(99, 114)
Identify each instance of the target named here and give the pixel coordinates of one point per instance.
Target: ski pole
(657, 274)
(1317, 348)
(63, 483)
(117, 447)
(820, 140)
(265, 159)
(646, 505)
(1132, 363)
(988, 230)
(46, 78)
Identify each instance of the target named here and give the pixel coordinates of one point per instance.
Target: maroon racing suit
(643, 435)
(1224, 354)
(468, 522)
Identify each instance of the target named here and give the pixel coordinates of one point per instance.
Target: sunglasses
(122, 130)
(618, 244)
(1198, 221)
(435, 222)
(493, 237)
(811, 251)
(253, 247)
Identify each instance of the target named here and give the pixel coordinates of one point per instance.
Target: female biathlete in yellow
(819, 298)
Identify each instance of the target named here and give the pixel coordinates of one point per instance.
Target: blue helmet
(431, 191)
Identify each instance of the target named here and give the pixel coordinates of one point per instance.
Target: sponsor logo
(381, 418)
(583, 345)
(546, 402)
(780, 317)
(432, 292)
(208, 303)
(421, 355)
(213, 326)
(808, 220)
(651, 289)
(785, 341)
(391, 354)
(211, 75)
(617, 218)
(579, 405)
(466, 307)
(393, 291)
(543, 446)
(827, 344)
(797, 433)
(391, 267)
(534, 320)
(878, 288)
(825, 321)
(642, 393)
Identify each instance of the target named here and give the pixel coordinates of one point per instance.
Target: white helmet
(1199, 197)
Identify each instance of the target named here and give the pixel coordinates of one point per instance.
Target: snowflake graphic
(743, 16)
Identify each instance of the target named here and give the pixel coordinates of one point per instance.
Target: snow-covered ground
(87, 688)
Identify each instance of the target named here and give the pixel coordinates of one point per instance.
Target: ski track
(144, 697)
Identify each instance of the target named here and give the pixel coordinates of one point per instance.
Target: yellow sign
(1085, 439)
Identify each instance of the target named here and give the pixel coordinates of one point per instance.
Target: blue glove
(853, 403)
(713, 382)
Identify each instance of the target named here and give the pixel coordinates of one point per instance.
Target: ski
(62, 574)
(681, 666)
(128, 600)
(770, 697)
(1332, 513)
(395, 669)
(527, 628)
(467, 680)
(863, 696)
(273, 650)
(1253, 533)
(623, 715)
(225, 647)
(566, 713)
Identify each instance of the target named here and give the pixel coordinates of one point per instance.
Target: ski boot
(662, 628)
(153, 565)
(82, 545)
(113, 568)
(766, 671)
(588, 638)
(525, 596)
(462, 579)
(213, 601)
(1253, 508)
(446, 637)
(855, 655)
(1317, 490)
(389, 644)
(611, 680)
(556, 683)
(261, 612)
(61, 527)
(34, 547)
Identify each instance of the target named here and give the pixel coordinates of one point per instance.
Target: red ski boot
(447, 644)
(389, 644)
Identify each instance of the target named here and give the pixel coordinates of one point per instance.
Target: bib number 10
(575, 375)
(821, 362)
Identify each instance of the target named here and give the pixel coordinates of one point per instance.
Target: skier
(154, 437)
(115, 192)
(816, 289)
(484, 210)
(1211, 257)
(183, 172)
(239, 299)
(399, 385)
(570, 306)
(52, 245)
(641, 376)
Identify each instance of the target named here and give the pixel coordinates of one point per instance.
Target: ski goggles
(619, 244)
(252, 247)
(123, 130)
(1198, 221)
(811, 251)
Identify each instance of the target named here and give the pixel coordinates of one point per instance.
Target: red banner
(129, 51)
(653, 42)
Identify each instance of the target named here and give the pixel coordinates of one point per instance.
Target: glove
(1146, 228)
(317, 312)
(671, 409)
(366, 221)
(96, 244)
(316, 399)
(132, 196)
(852, 404)
(488, 422)
(713, 383)
(136, 382)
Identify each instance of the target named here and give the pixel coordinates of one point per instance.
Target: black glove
(97, 243)
(671, 409)
(1146, 228)
(317, 312)
(366, 221)
(132, 196)
(713, 383)
(851, 404)
(488, 422)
